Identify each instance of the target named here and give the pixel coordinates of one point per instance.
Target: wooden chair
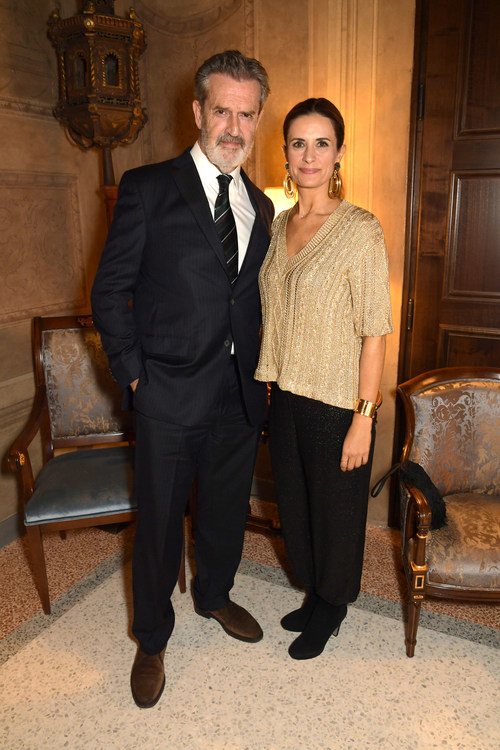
(453, 432)
(87, 440)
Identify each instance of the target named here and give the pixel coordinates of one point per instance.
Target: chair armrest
(18, 455)
(418, 521)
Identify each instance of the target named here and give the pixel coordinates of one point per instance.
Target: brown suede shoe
(147, 679)
(236, 621)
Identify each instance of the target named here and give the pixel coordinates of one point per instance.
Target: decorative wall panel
(472, 268)
(28, 77)
(480, 95)
(40, 245)
(343, 67)
(468, 345)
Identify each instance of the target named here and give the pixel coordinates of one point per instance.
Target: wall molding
(343, 63)
(13, 392)
(20, 107)
(28, 77)
(10, 529)
(43, 261)
(12, 419)
(188, 24)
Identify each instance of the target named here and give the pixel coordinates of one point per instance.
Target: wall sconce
(99, 97)
(278, 197)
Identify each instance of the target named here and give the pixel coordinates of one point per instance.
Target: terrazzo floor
(68, 687)
(64, 679)
(70, 560)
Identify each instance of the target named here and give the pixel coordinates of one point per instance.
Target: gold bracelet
(366, 408)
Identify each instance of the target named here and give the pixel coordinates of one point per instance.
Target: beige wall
(356, 52)
(359, 54)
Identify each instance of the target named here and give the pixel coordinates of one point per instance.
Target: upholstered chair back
(83, 398)
(453, 433)
(457, 435)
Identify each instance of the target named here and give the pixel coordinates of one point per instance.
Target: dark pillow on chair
(416, 475)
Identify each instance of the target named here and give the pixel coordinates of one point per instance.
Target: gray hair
(231, 63)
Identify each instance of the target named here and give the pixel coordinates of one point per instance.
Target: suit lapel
(190, 187)
(252, 242)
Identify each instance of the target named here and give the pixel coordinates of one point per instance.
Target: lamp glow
(279, 199)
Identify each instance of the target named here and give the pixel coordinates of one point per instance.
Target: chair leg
(35, 544)
(411, 631)
(182, 570)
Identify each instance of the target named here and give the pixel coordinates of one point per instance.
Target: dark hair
(319, 106)
(231, 63)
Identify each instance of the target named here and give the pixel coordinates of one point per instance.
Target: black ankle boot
(324, 622)
(297, 620)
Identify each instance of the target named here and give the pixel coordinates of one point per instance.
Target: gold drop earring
(335, 185)
(288, 185)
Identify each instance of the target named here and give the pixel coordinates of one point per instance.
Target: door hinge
(409, 315)
(421, 101)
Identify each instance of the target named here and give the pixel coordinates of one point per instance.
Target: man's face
(228, 120)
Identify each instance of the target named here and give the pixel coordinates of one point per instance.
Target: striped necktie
(224, 221)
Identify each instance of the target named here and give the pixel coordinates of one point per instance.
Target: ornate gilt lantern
(99, 96)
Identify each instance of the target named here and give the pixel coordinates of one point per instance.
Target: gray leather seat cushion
(84, 483)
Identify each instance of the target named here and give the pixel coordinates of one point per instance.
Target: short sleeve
(369, 280)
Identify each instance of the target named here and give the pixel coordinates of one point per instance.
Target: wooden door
(452, 296)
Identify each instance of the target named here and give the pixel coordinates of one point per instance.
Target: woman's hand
(357, 443)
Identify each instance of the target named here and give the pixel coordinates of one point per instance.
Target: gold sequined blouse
(318, 305)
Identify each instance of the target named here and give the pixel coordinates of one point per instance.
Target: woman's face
(311, 150)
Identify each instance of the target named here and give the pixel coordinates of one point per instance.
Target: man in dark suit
(177, 304)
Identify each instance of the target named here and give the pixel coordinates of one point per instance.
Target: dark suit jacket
(163, 252)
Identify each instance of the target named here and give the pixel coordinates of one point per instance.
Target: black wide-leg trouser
(322, 509)
(222, 453)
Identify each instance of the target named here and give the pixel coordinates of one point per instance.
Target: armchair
(87, 440)
(453, 432)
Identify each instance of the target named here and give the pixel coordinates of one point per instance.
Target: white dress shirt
(243, 211)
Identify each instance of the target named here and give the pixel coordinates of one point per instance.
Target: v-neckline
(322, 230)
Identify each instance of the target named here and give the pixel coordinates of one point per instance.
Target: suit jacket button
(227, 342)
(232, 301)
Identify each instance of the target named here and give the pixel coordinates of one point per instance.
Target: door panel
(454, 285)
(451, 294)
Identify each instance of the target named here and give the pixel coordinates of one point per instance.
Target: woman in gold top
(326, 310)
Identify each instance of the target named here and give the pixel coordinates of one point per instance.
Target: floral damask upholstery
(453, 432)
(457, 441)
(83, 398)
(457, 436)
(466, 552)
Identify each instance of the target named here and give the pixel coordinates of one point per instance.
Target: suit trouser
(222, 452)
(322, 509)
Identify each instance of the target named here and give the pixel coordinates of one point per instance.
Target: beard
(225, 159)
